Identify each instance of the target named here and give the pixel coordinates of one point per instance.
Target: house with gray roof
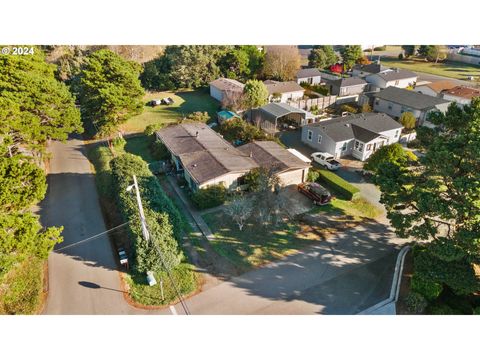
(204, 158)
(361, 70)
(274, 117)
(358, 135)
(282, 91)
(395, 101)
(311, 76)
(392, 77)
(348, 86)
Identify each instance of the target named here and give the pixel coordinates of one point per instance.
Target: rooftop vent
(347, 125)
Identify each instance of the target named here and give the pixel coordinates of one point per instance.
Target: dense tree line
(34, 108)
(438, 202)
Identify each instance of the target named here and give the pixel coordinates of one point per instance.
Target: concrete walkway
(193, 212)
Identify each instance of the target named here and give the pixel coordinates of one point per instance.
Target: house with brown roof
(282, 91)
(204, 158)
(435, 88)
(222, 87)
(461, 95)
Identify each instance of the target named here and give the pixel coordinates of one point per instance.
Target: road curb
(396, 282)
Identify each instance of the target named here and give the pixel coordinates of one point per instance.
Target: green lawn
(140, 146)
(254, 245)
(358, 209)
(185, 102)
(448, 69)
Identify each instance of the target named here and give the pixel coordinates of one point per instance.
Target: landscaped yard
(358, 209)
(254, 245)
(185, 102)
(448, 69)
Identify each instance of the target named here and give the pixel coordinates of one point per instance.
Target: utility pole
(145, 232)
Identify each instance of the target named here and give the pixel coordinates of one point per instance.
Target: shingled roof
(372, 68)
(203, 152)
(270, 154)
(351, 81)
(463, 92)
(409, 98)
(306, 73)
(396, 74)
(225, 84)
(281, 87)
(364, 127)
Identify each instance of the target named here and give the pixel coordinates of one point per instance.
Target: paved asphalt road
(82, 279)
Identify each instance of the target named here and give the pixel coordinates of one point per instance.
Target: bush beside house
(336, 183)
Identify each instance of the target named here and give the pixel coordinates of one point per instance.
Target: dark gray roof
(351, 81)
(366, 126)
(270, 154)
(396, 74)
(305, 73)
(280, 109)
(372, 68)
(203, 152)
(409, 98)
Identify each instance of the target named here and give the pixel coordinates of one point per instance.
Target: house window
(396, 133)
(377, 102)
(389, 106)
(319, 139)
(369, 147)
(358, 146)
(344, 146)
(310, 81)
(397, 82)
(309, 135)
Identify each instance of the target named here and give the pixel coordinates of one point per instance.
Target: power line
(92, 237)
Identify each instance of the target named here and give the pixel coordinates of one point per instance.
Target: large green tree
(390, 154)
(34, 106)
(409, 50)
(433, 52)
(350, 55)
(322, 57)
(255, 94)
(282, 62)
(109, 91)
(22, 183)
(439, 201)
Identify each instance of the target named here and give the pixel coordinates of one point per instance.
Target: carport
(274, 117)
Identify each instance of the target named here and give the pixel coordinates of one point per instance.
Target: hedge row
(343, 188)
(163, 219)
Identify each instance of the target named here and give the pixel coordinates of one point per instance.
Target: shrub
(198, 116)
(163, 218)
(429, 289)
(442, 309)
(119, 143)
(415, 302)
(159, 150)
(366, 108)
(209, 197)
(152, 128)
(312, 175)
(476, 311)
(414, 144)
(408, 120)
(336, 183)
(400, 56)
(348, 108)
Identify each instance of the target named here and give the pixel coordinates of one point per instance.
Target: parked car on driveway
(325, 159)
(316, 192)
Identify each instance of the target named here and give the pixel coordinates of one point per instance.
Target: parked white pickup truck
(325, 159)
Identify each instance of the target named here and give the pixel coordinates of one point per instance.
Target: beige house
(204, 158)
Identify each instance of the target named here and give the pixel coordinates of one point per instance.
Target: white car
(325, 159)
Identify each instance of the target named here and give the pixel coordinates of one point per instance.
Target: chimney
(251, 153)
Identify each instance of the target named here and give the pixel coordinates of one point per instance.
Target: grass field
(255, 246)
(358, 209)
(448, 69)
(185, 102)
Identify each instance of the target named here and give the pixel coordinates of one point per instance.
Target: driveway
(345, 274)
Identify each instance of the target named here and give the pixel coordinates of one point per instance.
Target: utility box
(151, 279)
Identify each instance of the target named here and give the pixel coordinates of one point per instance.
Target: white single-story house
(222, 87)
(204, 158)
(310, 76)
(392, 77)
(394, 101)
(358, 135)
(362, 71)
(461, 95)
(348, 86)
(435, 88)
(282, 91)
